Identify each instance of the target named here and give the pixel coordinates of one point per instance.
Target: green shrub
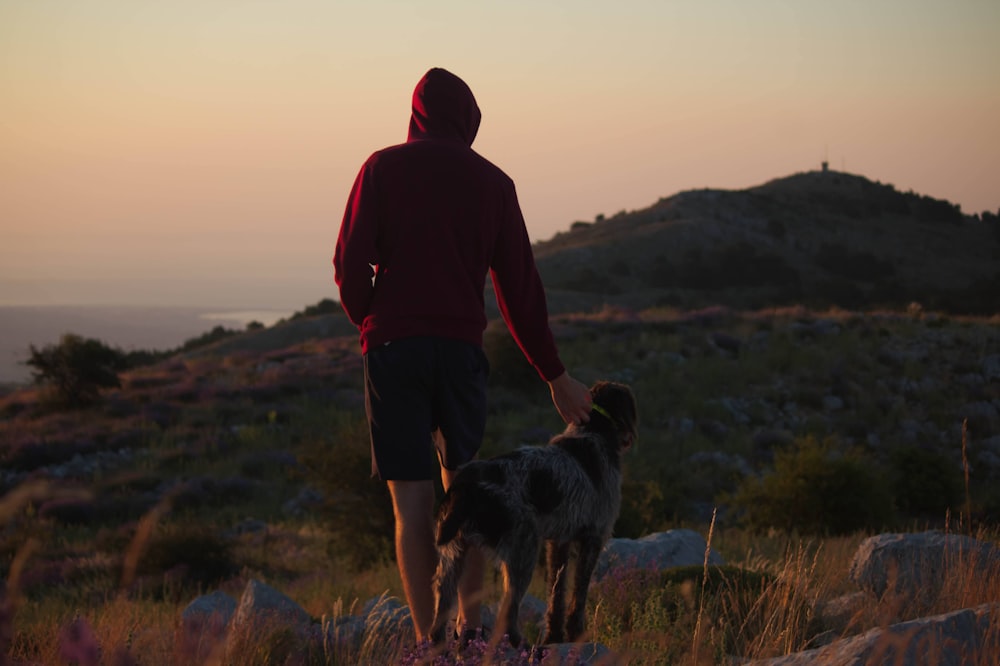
(205, 339)
(323, 307)
(657, 612)
(76, 369)
(717, 578)
(643, 509)
(815, 489)
(508, 366)
(357, 508)
(201, 553)
(925, 481)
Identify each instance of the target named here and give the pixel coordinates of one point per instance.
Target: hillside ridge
(819, 238)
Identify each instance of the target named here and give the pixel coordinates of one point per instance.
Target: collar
(600, 410)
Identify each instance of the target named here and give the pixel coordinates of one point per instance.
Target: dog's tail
(453, 516)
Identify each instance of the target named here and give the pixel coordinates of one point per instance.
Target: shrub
(508, 366)
(204, 557)
(643, 509)
(815, 489)
(205, 339)
(838, 259)
(76, 369)
(657, 612)
(358, 509)
(925, 481)
(323, 307)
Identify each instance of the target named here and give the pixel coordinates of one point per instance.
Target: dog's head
(614, 402)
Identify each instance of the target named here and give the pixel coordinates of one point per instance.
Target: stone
(204, 625)
(951, 639)
(263, 603)
(913, 566)
(658, 551)
(991, 367)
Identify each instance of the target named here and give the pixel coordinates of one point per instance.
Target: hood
(443, 107)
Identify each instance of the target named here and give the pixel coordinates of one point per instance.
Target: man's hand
(571, 398)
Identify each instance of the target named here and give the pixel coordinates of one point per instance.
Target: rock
(986, 454)
(725, 342)
(832, 403)
(386, 617)
(814, 329)
(204, 624)
(263, 603)
(727, 462)
(713, 428)
(952, 639)
(307, 501)
(736, 409)
(913, 566)
(837, 613)
(767, 440)
(662, 550)
(345, 636)
(991, 367)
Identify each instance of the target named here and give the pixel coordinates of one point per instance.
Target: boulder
(991, 367)
(913, 566)
(658, 551)
(204, 623)
(263, 603)
(951, 639)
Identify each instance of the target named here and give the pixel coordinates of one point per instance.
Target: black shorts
(422, 395)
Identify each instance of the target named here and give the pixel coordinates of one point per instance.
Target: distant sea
(130, 328)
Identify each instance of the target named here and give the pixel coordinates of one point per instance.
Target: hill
(820, 238)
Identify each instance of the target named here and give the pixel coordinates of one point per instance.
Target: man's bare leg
(416, 554)
(470, 585)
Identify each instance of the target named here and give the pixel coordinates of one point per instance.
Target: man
(425, 222)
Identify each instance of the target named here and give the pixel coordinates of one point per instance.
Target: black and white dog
(565, 493)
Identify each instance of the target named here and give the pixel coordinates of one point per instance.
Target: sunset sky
(199, 152)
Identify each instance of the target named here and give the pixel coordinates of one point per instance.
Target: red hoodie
(432, 217)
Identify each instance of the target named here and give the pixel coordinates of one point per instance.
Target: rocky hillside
(820, 238)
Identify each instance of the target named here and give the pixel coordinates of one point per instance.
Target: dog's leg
(556, 557)
(590, 550)
(449, 570)
(518, 566)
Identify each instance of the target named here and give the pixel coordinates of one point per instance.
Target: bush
(925, 481)
(508, 366)
(324, 307)
(838, 259)
(192, 557)
(643, 509)
(76, 369)
(205, 339)
(736, 265)
(815, 490)
(657, 612)
(358, 509)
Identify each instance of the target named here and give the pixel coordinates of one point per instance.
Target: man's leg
(416, 554)
(470, 586)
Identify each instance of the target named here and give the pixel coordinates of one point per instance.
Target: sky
(199, 153)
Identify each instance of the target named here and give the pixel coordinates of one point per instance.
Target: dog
(567, 492)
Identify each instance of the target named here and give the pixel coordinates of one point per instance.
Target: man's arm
(521, 298)
(355, 254)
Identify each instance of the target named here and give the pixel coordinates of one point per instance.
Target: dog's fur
(564, 493)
